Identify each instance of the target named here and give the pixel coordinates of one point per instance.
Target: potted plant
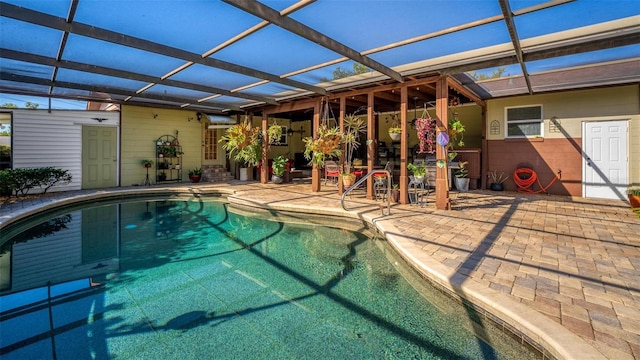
(395, 133)
(634, 198)
(395, 130)
(326, 145)
(162, 176)
(274, 133)
(348, 179)
(353, 127)
(147, 163)
(395, 193)
(496, 180)
(195, 175)
(462, 176)
(279, 164)
(244, 145)
(418, 170)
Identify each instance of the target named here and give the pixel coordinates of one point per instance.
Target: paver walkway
(563, 272)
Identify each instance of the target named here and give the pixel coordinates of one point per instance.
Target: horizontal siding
(43, 138)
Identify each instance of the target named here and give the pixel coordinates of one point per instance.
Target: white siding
(42, 138)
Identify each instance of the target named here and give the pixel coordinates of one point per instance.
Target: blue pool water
(199, 279)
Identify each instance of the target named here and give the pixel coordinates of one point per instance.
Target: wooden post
(404, 146)
(343, 109)
(264, 169)
(370, 138)
(315, 171)
(442, 174)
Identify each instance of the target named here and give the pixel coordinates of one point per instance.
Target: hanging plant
(326, 145)
(274, 133)
(327, 141)
(243, 143)
(426, 128)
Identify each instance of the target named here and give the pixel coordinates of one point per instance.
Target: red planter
(634, 200)
(195, 178)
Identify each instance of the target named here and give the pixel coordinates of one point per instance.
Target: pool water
(199, 279)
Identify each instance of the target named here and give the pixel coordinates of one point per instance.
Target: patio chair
(380, 182)
(331, 172)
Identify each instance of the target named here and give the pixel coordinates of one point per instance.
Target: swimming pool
(201, 279)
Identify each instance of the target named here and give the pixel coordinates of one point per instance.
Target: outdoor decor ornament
(443, 138)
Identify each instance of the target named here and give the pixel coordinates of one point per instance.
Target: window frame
(507, 122)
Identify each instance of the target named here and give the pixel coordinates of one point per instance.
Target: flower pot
(496, 186)
(462, 184)
(395, 195)
(395, 136)
(276, 179)
(195, 178)
(348, 180)
(634, 200)
(244, 174)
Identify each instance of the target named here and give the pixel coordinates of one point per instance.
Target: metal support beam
(266, 13)
(513, 33)
(54, 22)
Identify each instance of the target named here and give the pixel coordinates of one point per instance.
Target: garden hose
(525, 178)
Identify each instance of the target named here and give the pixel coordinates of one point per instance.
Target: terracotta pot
(634, 200)
(195, 178)
(348, 180)
(395, 195)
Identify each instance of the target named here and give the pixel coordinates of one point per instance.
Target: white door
(605, 160)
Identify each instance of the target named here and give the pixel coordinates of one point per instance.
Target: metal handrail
(361, 180)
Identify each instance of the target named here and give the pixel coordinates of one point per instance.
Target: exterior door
(99, 157)
(605, 160)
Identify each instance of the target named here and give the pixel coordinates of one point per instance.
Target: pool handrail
(361, 180)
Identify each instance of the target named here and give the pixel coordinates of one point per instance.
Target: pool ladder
(361, 180)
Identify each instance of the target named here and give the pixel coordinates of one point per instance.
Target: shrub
(20, 181)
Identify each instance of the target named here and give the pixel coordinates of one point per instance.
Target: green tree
(497, 73)
(339, 73)
(27, 105)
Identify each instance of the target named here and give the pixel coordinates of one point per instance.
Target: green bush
(20, 181)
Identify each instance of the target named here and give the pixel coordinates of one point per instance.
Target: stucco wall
(560, 148)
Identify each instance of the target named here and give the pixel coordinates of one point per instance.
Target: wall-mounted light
(290, 132)
(155, 116)
(199, 116)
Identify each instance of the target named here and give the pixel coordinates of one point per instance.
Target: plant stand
(416, 192)
(147, 181)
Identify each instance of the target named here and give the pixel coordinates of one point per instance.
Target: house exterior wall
(42, 138)
(561, 147)
(140, 130)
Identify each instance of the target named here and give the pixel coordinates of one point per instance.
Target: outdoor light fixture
(290, 132)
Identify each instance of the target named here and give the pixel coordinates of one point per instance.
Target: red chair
(331, 172)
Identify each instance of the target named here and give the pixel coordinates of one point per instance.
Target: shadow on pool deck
(563, 273)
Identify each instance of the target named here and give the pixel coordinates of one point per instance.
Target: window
(524, 121)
